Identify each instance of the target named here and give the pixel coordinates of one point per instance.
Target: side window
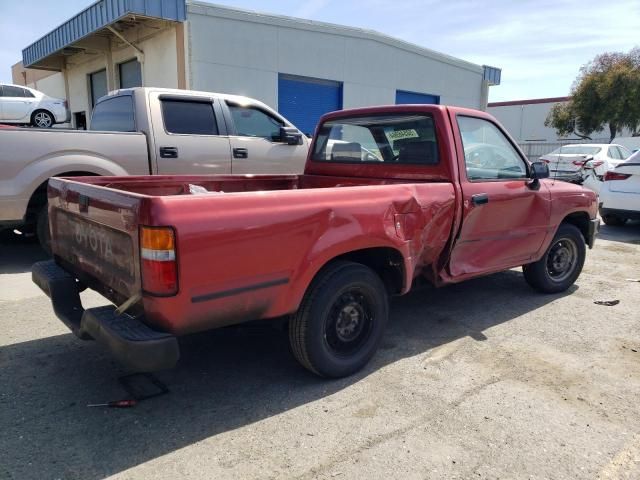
(487, 152)
(114, 115)
(188, 117)
(613, 153)
(253, 122)
(10, 91)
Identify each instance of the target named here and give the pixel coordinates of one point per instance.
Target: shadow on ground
(226, 379)
(629, 233)
(18, 253)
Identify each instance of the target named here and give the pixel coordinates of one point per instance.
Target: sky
(539, 45)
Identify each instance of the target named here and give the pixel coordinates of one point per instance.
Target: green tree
(606, 94)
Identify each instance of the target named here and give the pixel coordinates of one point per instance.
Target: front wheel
(340, 322)
(561, 264)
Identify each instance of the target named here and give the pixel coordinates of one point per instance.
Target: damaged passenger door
(505, 216)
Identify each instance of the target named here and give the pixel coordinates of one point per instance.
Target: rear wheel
(341, 319)
(614, 220)
(42, 119)
(561, 264)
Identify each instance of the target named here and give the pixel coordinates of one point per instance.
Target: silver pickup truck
(142, 131)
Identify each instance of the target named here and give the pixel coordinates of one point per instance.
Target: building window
(130, 74)
(97, 85)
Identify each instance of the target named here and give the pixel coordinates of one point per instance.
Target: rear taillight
(611, 175)
(578, 163)
(158, 261)
(545, 160)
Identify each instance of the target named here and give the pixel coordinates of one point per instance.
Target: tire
(614, 220)
(42, 119)
(341, 319)
(561, 264)
(42, 229)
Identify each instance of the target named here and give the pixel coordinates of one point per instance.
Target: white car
(565, 163)
(26, 106)
(620, 192)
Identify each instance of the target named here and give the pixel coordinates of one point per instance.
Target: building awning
(49, 51)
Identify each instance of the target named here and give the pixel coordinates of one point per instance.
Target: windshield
(393, 138)
(577, 150)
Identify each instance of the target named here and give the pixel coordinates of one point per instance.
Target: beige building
(301, 68)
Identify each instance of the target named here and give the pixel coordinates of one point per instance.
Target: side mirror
(290, 136)
(539, 170)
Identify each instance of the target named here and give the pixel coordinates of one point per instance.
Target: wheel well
(580, 220)
(387, 262)
(41, 110)
(39, 197)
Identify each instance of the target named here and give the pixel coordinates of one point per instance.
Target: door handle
(240, 153)
(480, 198)
(169, 152)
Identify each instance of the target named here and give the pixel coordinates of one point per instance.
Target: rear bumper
(630, 214)
(131, 342)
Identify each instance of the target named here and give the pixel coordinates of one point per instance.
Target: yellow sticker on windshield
(400, 134)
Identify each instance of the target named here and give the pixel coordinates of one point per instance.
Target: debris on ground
(607, 303)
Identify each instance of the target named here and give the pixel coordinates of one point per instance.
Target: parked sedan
(565, 163)
(26, 106)
(620, 192)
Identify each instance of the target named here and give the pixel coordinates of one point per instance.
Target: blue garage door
(304, 100)
(404, 97)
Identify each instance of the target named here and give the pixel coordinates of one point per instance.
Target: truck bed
(248, 252)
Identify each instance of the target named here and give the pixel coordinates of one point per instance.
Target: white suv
(26, 106)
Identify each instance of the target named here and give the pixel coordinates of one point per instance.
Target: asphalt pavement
(486, 379)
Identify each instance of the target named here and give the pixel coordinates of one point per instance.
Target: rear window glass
(394, 138)
(11, 91)
(114, 115)
(577, 150)
(189, 118)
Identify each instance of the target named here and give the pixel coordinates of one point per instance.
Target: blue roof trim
(491, 75)
(97, 16)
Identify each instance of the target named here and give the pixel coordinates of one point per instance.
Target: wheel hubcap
(349, 323)
(561, 260)
(43, 120)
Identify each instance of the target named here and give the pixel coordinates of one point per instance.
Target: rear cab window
(402, 138)
(114, 114)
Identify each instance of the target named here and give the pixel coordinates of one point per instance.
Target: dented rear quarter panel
(253, 255)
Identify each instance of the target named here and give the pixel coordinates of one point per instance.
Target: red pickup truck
(389, 194)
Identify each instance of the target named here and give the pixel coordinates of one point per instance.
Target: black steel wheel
(340, 322)
(561, 264)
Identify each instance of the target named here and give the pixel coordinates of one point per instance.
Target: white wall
(244, 54)
(526, 122)
(52, 85)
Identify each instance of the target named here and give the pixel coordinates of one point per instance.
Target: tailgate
(94, 235)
